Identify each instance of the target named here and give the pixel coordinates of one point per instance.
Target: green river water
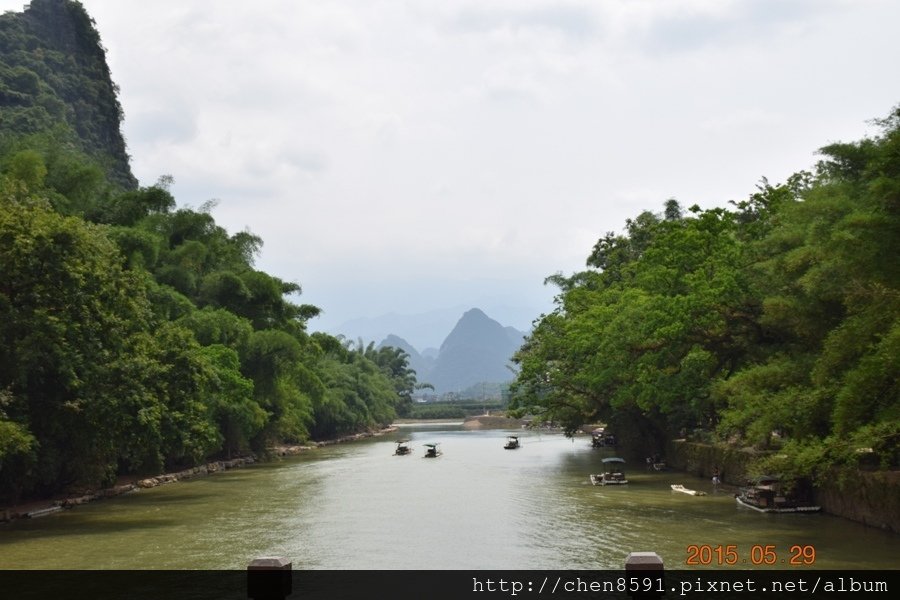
(478, 506)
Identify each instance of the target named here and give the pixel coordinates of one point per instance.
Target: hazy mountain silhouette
(421, 364)
(421, 330)
(427, 330)
(478, 349)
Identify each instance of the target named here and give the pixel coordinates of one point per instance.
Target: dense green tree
(666, 312)
(69, 317)
(365, 387)
(284, 385)
(774, 325)
(218, 326)
(830, 285)
(238, 416)
(136, 335)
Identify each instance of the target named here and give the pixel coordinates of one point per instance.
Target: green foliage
(667, 312)
(283, 385)
(218, 326)
(130, 207)
(775, 325)
(16, 440)
(364, 387)
(48, 164)
(436, 411)
(28, 167)
(53, 73)
(134, 335)
(68, 316)
(238, 415)
(140, 248)
(831, 298)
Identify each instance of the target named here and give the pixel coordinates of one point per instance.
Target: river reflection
(478, 506)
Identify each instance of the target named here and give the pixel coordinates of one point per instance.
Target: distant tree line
(774, 323)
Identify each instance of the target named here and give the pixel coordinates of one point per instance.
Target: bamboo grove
(136, 336)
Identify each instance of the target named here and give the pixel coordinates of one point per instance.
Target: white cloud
(470, 149)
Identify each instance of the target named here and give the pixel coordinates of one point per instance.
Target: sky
(409, 156)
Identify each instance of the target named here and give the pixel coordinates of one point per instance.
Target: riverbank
(868, 497)
(132, 483)
(493, 422)
(293, 450)
(124, 485)
(472, 422)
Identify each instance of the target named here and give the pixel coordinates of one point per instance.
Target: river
(478, 506)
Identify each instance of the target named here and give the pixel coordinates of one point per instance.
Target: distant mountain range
(426, 331)
(421, 363)
(477, 350)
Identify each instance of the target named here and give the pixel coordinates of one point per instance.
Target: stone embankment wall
(872, 498)
(125, 488)
(150, 482)
(702, 459)
(294, 450)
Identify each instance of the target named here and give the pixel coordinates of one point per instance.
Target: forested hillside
(54, 78)
(136, 335)
(773, 324)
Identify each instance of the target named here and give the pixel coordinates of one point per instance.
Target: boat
(512, 442)
(402, 448)
(677, 487)
(613, 474)
(432, 451)
(769, 494)
(656, 463)
(602, 439)
(43, 512)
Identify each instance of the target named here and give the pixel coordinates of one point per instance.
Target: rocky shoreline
(42, 508)
(37, 509)
(295, 450)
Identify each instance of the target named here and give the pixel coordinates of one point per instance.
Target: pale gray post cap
(643, 561)
(269, 578)
(270, 563)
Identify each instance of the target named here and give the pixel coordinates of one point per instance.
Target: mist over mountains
(477, 350)
(427, 330)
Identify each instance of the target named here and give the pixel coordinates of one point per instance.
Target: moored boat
(769, 494)
(602, 439)
(613, 472)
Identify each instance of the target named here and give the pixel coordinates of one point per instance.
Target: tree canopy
(773, 323)
(139, 343)
(136, 334)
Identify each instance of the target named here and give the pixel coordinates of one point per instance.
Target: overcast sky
(404, 156)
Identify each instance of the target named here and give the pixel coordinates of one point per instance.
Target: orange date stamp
(796, 555)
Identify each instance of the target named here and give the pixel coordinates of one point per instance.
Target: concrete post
(643, 565)
(269, 578)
